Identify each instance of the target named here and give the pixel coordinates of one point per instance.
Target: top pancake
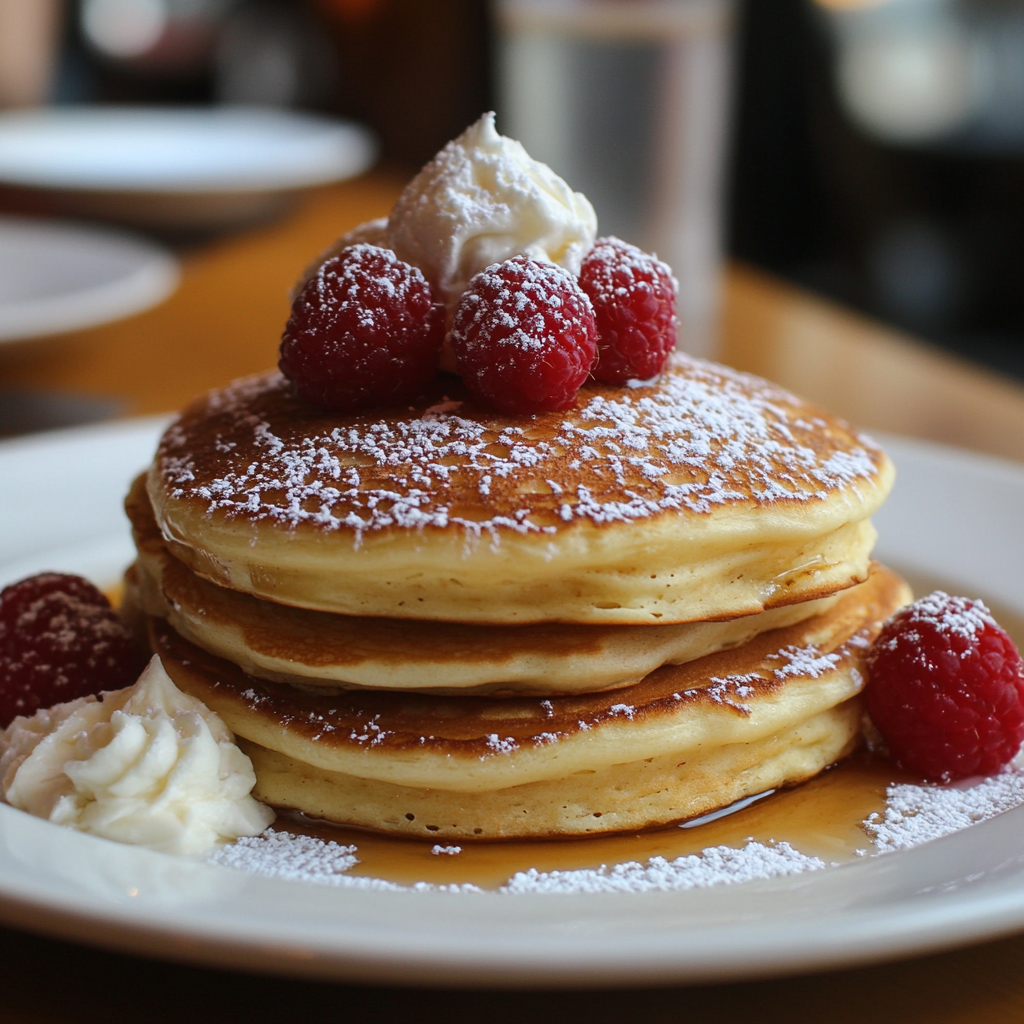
(705, 494)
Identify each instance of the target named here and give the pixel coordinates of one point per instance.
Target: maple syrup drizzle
(820, 818)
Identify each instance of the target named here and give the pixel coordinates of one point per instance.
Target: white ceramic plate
(56, 276)
(953, 515)
(183, 169)
(200, 149)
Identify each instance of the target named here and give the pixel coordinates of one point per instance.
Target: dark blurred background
(416, 72)
(876, 151)
(879, 158)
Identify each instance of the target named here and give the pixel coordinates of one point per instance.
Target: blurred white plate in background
(202, 149)
(57, 277)
(176, 167)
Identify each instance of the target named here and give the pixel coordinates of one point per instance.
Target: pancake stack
(445, 622)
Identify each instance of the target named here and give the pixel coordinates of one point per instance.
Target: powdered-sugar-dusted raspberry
(364, 331)
(59, 640)
(524, 336)
(946, 689)
(634, 299)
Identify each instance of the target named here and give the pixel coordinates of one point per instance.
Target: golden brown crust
(699, 438)
(467, 743)
(295, 645)
(706, 495)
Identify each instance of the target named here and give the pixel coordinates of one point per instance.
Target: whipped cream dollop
(147, 765)
(482, 200)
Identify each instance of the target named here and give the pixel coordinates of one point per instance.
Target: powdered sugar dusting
(380, 721)
(524, 306)
(481, 200)
(918, 814)
(617, 267)
(718, 865)
(805, 662)
(283, 855)
(954, 616)
(358, 285)
(701, 437)
(300, 858)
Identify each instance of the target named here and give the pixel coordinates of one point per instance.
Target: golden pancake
(641, 794)
(707, 494)
(759, 693)
(295, 645)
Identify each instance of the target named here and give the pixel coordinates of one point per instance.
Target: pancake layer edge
(705, 495)
(321, 649)
(683, 741)
(638, 795)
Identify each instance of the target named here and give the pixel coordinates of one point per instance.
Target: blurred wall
(416, 71)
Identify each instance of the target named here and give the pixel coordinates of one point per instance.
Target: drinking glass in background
(628, 101)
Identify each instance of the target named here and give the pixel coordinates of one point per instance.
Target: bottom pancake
(685, 740)
(617, 798)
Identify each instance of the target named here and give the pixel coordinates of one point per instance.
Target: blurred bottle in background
(628, 101)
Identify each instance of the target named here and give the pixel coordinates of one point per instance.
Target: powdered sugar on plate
(306, 859)
(918, 814)
(300, 858)
(718, 865)
(913, 815)
(283, 855)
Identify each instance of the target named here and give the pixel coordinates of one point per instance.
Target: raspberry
(364, 331)
(634, 297)
(946, 689)
(524, 336)
(59, 640)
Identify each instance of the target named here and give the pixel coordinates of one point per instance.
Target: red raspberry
(59, 640)
(365, 331)
(947, 689)
(524, 336)
(634, 297)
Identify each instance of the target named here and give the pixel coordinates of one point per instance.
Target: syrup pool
(821, 818)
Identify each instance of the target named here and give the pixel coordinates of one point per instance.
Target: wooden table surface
(225, 321)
